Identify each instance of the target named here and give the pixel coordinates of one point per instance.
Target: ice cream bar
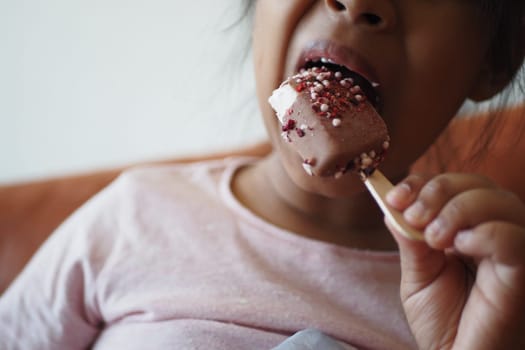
(328, 119)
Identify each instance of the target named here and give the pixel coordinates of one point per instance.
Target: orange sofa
(29, 212)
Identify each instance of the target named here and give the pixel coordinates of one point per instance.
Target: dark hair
(506, 26)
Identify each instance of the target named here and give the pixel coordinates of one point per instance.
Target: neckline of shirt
(232, 165)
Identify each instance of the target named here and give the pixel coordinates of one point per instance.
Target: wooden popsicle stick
(378, 185)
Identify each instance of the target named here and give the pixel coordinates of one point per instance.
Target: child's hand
(464, 288)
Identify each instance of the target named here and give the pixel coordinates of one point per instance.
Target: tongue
(327, 118)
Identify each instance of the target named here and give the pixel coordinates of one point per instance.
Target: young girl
(243, 253)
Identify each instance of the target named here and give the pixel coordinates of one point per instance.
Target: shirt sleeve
(52, 303)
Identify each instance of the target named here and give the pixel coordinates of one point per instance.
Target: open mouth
(368, 88)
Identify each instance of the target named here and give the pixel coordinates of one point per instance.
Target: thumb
(420, 264)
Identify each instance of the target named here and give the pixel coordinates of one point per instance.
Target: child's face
(427, 56)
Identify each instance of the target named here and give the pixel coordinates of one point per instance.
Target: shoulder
(160, 207)
(153, 196)
(151, 206)
(175, 181)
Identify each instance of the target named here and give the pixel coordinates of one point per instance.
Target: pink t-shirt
(166, 257)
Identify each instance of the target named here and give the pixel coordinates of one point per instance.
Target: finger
(437, 192)
(405, 192)
(472, 208)
(503, 242)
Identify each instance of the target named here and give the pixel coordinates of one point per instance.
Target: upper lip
(343, 56)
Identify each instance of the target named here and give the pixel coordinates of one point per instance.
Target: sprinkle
(386, 145)
(324, 76)
(355, 89)
(338, 75)
(303, 127)
(290, 124)
(367, 161)
(326, 83)
(336, 122)
(324, 107)
(318, 87)
(359, 98)
(311, 161)
(300, 87)
(339, 174)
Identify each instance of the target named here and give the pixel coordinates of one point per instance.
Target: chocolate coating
(333, 128)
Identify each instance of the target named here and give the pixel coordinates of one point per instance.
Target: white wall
(94, 84)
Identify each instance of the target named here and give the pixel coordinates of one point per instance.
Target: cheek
(275, 22)
(441, 75)
(446, 51)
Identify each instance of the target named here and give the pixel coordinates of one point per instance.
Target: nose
(376, 15)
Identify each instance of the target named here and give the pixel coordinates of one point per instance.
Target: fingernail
(463, 237)
(416, 213)
(435, 229)
(399, 193)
